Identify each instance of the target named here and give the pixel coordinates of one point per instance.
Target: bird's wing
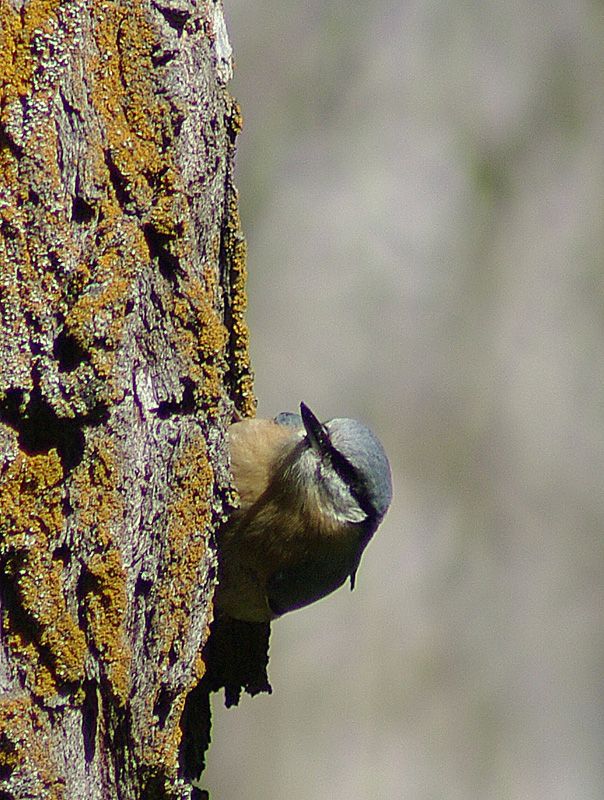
(306, 581)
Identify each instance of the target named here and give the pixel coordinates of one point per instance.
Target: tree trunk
(123, 351)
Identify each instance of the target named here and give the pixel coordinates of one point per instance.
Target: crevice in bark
(186, 405)
(68, 352)
(142, 586)
(162, 706)
(119, 183)
(162, 56)
(7, 143)
(39, 429)
(90, 716)
(175, 17)
(70, 110)
(81, 211)
(158, 244)
(63, 554)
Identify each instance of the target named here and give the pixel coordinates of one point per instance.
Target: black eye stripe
(350, 475)
(317, 436)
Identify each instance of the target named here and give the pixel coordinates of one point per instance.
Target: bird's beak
(315, 431)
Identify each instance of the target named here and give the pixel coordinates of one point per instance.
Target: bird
(311, 496)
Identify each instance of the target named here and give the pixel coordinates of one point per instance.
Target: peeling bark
(123, 351)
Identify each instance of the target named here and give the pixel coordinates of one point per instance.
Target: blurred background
(422, 189)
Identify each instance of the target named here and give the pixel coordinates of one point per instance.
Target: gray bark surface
(123, 351)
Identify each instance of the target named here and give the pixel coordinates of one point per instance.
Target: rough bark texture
(122, 352)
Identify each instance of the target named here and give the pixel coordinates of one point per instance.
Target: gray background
(421, 188)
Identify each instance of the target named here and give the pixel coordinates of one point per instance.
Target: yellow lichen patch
(162, 757)
(211, 269)
(38, 581)
(177, 589)
(201, 340)
(193, 483)
(166, 216)
(95, 494)
(199, 669)
(9, 753)
(25, 747)
(33, 44)
(10, 29)
(161, 754)
(234, 253)
(105, 602)
(41, 628)
(213, 335)
(17, 29)
(195, 310)
(10, 213)
(236, 256)
(100, 508)
(234, 118)
(30, 498)
(96, 317)
(40, 677)
(124, 95)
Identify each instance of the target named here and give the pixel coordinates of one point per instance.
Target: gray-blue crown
(361, 449)
(364, 451)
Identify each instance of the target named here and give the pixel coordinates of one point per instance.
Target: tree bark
(123, 351)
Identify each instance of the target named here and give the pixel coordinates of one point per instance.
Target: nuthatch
(311, 497)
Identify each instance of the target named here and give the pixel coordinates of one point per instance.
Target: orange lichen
(177, 589)
(95, 493)
(161, 758)
(24, 747)
(40, 677)
(38, 581)
(40, 622)
(235, 252)
(234, 118)
(201, 340)
(193, 483)
(17, 29)
(124, 94)
(100, 508)
(105, 603)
